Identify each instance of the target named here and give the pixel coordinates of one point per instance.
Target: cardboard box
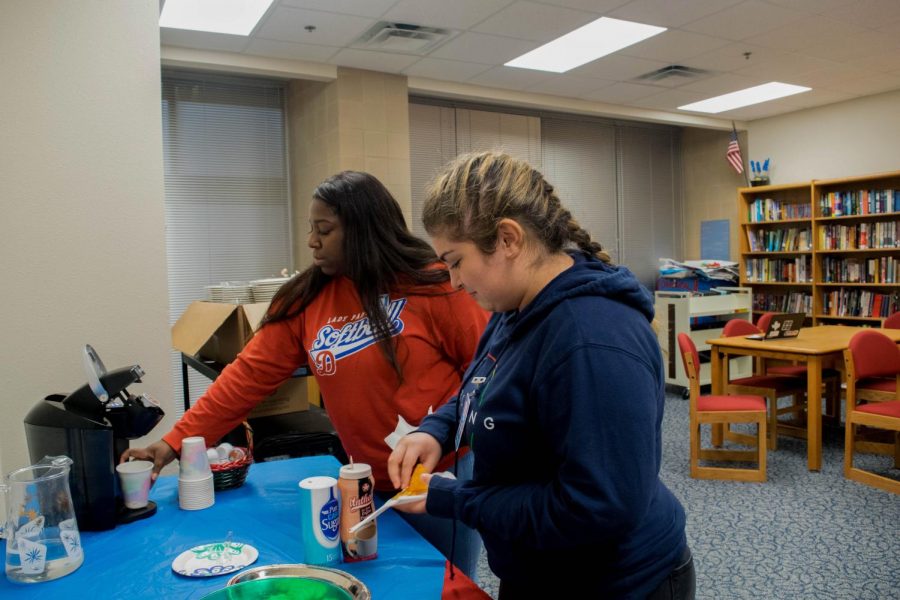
(218, 331)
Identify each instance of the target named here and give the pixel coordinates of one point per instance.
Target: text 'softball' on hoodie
(566, 405)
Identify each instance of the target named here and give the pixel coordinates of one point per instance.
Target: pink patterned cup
(135, 479)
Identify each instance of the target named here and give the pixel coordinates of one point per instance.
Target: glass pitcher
(42, 540)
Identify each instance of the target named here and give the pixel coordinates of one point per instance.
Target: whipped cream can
(320, 513)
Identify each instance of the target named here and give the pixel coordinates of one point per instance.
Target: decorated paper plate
(210, 560)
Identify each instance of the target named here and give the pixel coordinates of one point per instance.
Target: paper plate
(209, 560)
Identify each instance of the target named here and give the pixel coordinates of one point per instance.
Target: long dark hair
(380, 254)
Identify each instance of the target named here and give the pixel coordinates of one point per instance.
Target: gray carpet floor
(799, 536)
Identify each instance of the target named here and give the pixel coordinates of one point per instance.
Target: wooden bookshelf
(830, 248)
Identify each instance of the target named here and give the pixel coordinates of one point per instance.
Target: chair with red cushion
(868, 389)
(871, 355)
(892, 322)
(771, 387)
(831, 379)
(718, 410)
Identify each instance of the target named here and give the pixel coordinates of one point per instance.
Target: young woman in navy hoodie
(562, 405)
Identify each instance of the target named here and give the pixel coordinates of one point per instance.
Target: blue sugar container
(320, 514)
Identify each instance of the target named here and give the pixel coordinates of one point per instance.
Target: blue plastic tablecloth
(134, 561)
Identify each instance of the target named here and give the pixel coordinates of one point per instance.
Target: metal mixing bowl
(353, 587)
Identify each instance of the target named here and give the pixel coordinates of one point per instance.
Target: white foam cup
(194, 462)
(134, 477)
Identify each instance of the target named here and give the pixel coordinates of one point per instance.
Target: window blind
(580, 162)
(432, 144)
(226, 185)
(622, 181)
(650, 198)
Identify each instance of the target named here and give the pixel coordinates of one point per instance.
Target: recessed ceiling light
(590, 42)
(753, 95)
(237, 17)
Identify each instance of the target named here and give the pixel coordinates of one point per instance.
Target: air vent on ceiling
(402, 37)
(673, 71)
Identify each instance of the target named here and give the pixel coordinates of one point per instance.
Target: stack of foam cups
(195, 479)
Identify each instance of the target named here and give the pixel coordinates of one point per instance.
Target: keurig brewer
(92, 426)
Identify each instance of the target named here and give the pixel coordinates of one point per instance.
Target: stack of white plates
(232, 292)
(264, 289)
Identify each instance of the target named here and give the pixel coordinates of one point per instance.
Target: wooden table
(813, 346)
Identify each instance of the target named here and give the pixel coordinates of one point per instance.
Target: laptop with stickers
(786, 325)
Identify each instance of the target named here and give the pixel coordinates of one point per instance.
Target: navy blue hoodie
(565, 413)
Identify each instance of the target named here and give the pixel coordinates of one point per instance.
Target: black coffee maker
(92, 426)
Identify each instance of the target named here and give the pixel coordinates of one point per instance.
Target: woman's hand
(160, 453)
(417, 447)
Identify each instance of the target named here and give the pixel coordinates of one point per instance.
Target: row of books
(884, 269)
(792, 302)
(862, 236)
(794, 270)
(859, 202)
(793, 239)
(768, 209)
(860, 303)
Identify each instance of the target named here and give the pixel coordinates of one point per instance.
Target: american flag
(734, 153)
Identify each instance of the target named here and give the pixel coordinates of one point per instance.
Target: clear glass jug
(42, 540)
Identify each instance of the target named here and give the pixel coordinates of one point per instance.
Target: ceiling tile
(882, 63)
(817, 7)
(867, 86)
(481, 48)
(818, 97)
(784, 67)
(373, 61)
(868, 13)
(815, 30)
(601, 7)
(332, 29)
(561, 84)
(671, 13)
(202, 40)
(668, 100)
(509, 78)
(533, 21)
(674, 46)
(732, 57)
(369, 8)
(745, 20)
(835, 77)
(721, 84)
(622, 93)
(618, 67)
(447, 70)
(867, 43)
(290, 50)
(458, 14)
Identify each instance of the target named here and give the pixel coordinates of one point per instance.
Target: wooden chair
(871, 355)
(770, 387)
(718, 410)
(892, 322)
(868, 389)
(831, 379)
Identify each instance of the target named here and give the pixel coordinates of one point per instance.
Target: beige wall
(710, 186)
(857, 137)
(83, 226)
(360, 122)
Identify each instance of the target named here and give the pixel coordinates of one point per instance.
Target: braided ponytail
(470, 197)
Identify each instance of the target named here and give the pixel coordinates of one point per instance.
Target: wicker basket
(232, 474)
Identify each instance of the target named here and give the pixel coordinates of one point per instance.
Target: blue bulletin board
(715, 240)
